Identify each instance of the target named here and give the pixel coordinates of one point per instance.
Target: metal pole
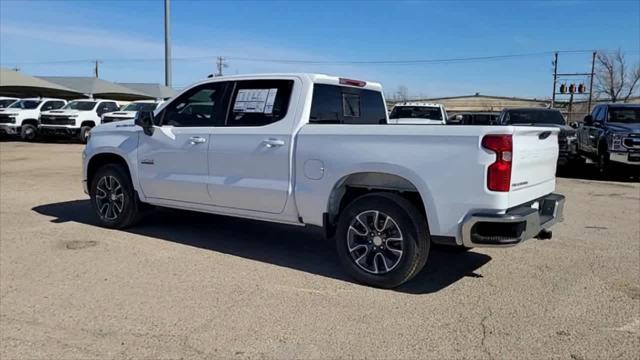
(593, 67)
(167, 45)
(97, 69)
(555, 79)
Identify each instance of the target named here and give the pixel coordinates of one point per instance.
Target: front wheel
(84, 134)
(603, 163)
(113, 198)
(382, 240)
(28, 132)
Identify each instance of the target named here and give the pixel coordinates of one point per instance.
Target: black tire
(129, 213)
(603, 162)
(83, 135)
(28, 132)
(413, 230)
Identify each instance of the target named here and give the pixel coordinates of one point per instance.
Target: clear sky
(42, 37)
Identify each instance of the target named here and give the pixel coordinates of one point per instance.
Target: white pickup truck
(129, 111)
(76, 119)
(418, 113)
(307, 149)
(22, 117)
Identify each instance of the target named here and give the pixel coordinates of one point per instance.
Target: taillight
(499, 173)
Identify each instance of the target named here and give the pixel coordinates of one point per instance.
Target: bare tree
(402, 94)
(613, 78)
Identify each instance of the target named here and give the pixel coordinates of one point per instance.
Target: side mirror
(145, 120)
(573, 124)
(588, 120)
(597, 124)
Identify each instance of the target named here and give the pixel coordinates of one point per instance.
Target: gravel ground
(186, 285)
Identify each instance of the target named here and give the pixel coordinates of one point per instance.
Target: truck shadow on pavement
(289, 246)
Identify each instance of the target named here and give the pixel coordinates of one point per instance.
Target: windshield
(25, 104)
(625, 115)
(80, 105)
(535, 117)
(6, 102)
(140, 107)
(416, 112)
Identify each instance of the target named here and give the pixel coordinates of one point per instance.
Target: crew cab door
(173, 160)
(249, 157)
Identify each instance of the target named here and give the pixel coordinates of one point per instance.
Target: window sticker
(255, 100)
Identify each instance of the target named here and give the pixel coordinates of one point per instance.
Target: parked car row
(30, 117)
(609, 136)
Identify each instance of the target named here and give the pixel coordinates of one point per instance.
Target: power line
(319, 62)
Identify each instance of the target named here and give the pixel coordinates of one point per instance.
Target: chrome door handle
(197, 140)
(270, 143)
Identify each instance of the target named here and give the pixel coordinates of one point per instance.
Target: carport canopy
(98, 88)
(158, 91)
(16, 84)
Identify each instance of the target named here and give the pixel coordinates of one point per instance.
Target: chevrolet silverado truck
(414, 112)
(129, 111)
(76, 119)
(567, 148)
(22, 117)
(610, 135)
(316, 150)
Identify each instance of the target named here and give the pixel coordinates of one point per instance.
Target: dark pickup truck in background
(545, 117)
(611, 135)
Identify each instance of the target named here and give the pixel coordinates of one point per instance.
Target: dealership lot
(201, 286)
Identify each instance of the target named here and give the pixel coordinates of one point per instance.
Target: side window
(49, 105)
(101, 108)
(599, 114)
(259, 102)
(332, 104)
(203, 105)
(112, 107)
(58, 104)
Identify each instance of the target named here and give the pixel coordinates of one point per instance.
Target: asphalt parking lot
(186, 285)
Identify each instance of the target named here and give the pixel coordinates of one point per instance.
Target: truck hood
(624, 127)
(63, 112)
(124, 114)
(117, 126)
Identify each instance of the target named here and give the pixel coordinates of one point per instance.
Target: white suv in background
(418, 113)
(129, 111)
(22, 116)
(77, 118)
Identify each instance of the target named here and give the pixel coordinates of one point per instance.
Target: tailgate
(535, 155)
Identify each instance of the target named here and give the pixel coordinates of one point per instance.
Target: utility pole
(555, 79)
(167, 45)
(96, 68)
(220, 64)
(593, 68)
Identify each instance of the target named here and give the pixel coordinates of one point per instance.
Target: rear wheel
(113, 198)
(28, 132)
(382, 240)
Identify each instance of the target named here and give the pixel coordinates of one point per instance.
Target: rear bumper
(516, 225)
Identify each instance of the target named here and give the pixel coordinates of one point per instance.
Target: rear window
(332, 104)
(529, 117)
(416, 112)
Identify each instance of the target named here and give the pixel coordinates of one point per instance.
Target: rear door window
(259, 102)
(333, 104)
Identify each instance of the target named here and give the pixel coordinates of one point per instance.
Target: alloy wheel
(109, 198)
(375, 242)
